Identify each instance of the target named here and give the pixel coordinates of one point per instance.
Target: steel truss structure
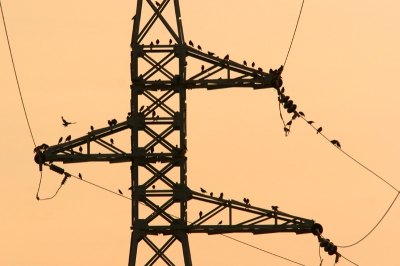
(159, 144)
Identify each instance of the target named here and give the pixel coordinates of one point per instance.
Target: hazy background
(72, 59)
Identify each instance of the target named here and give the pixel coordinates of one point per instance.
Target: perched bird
(153, 186)
(80, 176)
(319, 130)
(151, 45)
(200, 214)
(203, 190)
(335, 142)
(199, 47)
(153, 114)
(114, 121)
(157, 3)
(170, 41)
(210, 53)
(141, 108)
(65, 123)
(120, 192)
(91, 128)
(253, 64)
(109, 123)
(68, 138)
(226, 57)
(260, 69)
(245, 63)
(80, 149)
(152, 150)
(275, 208)
(191, 43)
(211, 194)
(221, 196)
(289, 123)
(301, 113)
(112, 141)
(310, 122)
(202, 68)
(157, 41)
(220, 222)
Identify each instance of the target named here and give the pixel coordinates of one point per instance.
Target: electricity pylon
(157, 122)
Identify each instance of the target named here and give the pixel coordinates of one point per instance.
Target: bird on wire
(221, 196)
(80, 176)
(60, 140)
(68, 138)
(336, 143)
(203, 190)
(220, 222)
(91, 128)
(80, 149)
(226, 57)
(310, 122)
(245, 63)
(319, 130)
(202, 68)
(120, 192)
(191, 43)
(157, 4)
(301, 113)
(253, 64)
(66, 123)
(170, 41)
(200, 214)
(157, 41)
(112, 141)
(109, 123)
(199, 47)
(153, 186)
(211, 194)
(210, 53)
(153, 114)
(275, 208)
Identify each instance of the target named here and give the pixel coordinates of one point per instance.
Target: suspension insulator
(317, 229)
(39, 158)
(292, 108)
(288, 104)
(332, 251)
(284, 98)
(57, 169)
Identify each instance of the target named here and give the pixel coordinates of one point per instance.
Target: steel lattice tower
(158, 140)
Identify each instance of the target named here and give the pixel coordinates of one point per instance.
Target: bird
(109, 123)
(114, 121)
(80, 176)
(68, 138)
(260, 69)
(157, 3)
(226, 57)
(289, 123)
(200, 214)
(170, 41)
(153, 186)
(60, 140)
(91, 128)
(335, 142)
(245, 63)
(211, 53)
(157, 41)
(112, 141)
(120, 192)
(310, 122)
(301, 113)
(220, 222)
(151, 149)
(151, 45)
(221, 195)
(211, 194)
(191, 43)
(141, 109)
(153, 114)
(80, 149)
(253, 64)
(319, 130)
(275, 208)
(203, 190)
(202, 68)
(65, 123)
(199, 47)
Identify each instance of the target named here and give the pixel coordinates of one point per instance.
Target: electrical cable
(294, 33)
(16, 77)
(348, 259)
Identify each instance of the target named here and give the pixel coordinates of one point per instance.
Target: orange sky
(72, 60)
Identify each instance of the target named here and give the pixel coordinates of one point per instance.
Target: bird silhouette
(200, 214)
(226, 57)
(203, 190)
(260, 69)
(141, 109)
(91, 128)
(211, 53)
(211, 194)
(301, 113)
(319, 130)
(157, 41)
(114, 121)
(80, 176)
(151, 149)
(109, 123)
(153, 114)
(199, 47)
(151, 45)
(245, 63)
(112, 141)
(275, 208)
(157, 3)
(153, 186)
(220, 222)
(310, 122)
(65, 123)
(60, 140)
(335, 142)
(202, 68)
(68, 138)
(170, 41)
(253, 64)
(120, 192)
(80, 149)
(191, 43)
(221, 196)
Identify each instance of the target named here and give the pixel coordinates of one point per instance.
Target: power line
(348, 259)
(294, 33)
(15, 73)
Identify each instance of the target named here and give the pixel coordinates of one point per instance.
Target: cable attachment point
(57, 169)
(66, 175)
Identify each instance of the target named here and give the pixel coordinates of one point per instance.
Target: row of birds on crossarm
(291, 108)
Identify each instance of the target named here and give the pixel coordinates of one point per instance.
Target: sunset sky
(73, 60)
